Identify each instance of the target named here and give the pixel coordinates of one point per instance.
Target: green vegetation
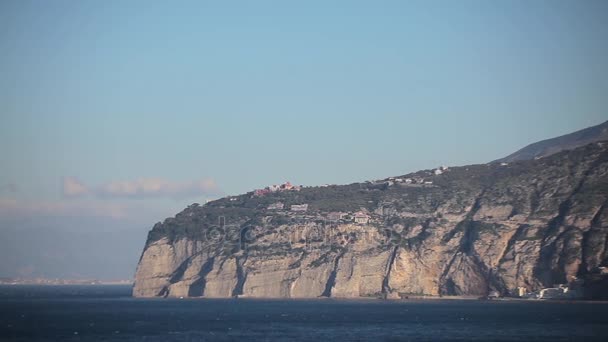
(535, 187)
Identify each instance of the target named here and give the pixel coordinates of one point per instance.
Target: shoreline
(413, 298)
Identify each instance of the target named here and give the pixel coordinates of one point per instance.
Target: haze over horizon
(115, 115)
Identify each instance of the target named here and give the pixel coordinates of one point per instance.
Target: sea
(109, 313)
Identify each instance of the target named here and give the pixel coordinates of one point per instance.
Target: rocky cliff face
(475, 229)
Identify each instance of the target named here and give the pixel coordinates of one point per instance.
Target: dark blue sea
(108, 313)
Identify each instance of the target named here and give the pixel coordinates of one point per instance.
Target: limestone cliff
(461, 231)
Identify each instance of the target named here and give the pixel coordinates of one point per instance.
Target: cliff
(464, 231)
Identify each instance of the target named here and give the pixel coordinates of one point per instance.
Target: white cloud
(41, 210)
(28, 208)
(142, 188)
(157, 188)
(110, 200)
(72, 187)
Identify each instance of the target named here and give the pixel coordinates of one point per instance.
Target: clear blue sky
(250, 93)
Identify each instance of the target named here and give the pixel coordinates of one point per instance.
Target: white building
(563, 291)
(276, 206)
(361, 218)
(299, 207)
(551, 293)
(521, 291)
(494, 294)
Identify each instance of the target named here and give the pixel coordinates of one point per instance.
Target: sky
(117, 114)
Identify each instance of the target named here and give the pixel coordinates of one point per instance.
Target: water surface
(108, 313)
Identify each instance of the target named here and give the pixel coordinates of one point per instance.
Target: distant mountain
(565, 142)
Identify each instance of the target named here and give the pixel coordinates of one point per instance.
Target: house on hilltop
(276, 188)
(361, 218)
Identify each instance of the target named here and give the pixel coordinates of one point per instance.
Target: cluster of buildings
(287, 186)
(574, 290)
(558, 291)
(293, 207)
(359, 217)
(561, 291)
(417, 180)
(407, 181)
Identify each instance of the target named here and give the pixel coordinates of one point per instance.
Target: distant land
(533, 228)
(570, 141)
(45, 281)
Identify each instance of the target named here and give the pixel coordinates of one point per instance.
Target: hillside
(562, 143)
(467, 230)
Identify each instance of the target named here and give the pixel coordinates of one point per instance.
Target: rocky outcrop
(475, 229)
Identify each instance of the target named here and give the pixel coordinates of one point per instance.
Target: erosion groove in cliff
(464, 225)
(197, 288)
(556, 231)
(596, 220)
(389, 266)
(596, 232)
(331, 280)
(181, 269)
(465, 245)
(241, 276)
(464, 230)
(517, 234)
